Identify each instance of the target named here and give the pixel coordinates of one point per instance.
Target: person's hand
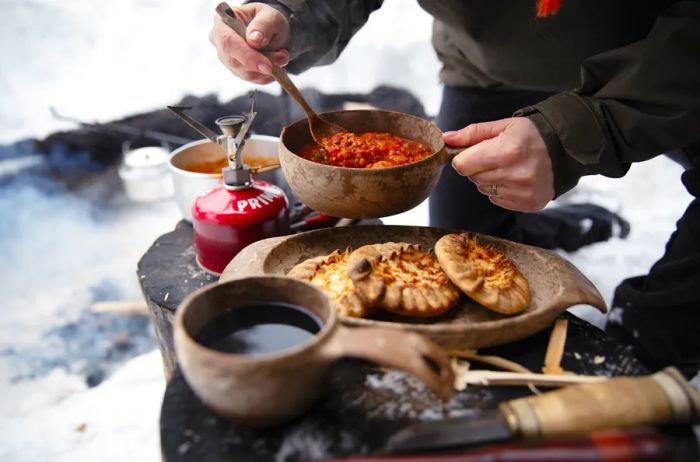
(267, 29)
(508, 161)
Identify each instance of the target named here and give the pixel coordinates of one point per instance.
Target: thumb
(476, 133)
(268, 28)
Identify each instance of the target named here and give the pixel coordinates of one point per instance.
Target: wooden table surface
(362, 404)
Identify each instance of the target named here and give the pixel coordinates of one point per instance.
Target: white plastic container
(144, 172)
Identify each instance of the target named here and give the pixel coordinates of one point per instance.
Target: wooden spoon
(320, 128)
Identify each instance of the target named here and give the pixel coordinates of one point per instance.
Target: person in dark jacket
(539, 93)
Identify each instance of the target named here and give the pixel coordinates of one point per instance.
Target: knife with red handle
(578, 410)
(643, 445)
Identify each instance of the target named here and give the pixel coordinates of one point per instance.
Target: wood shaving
(496, 361)
(461, 371)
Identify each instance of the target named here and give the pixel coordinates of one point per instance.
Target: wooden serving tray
(555, 284)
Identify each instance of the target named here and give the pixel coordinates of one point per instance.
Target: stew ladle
(320, 128)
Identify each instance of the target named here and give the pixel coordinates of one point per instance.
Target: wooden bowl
(358, 192)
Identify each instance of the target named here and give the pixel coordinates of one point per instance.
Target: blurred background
(79, 384)
(104, 60)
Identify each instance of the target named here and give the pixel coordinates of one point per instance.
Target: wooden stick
(496, 361)
(555, 348)
(126, 307)
(521, 378)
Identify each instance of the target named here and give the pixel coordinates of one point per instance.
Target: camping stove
(241, 210)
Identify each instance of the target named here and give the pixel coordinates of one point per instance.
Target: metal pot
(144, 172)
(189, 185)
(357, 192)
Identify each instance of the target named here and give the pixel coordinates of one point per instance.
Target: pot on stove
(190, 180)
(240, 210)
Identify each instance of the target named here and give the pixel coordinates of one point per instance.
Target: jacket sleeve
(320, 29)
(634, 103)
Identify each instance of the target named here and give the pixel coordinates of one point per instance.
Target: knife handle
(623, 402)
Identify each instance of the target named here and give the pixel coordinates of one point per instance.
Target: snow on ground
(652, 198)
(103, 60)
(52, 346)
(58, 418)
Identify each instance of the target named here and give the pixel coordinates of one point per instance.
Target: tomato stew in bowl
(366, 150)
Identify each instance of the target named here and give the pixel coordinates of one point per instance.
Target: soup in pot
(215, 166)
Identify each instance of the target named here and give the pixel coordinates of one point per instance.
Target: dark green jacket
(627, 72)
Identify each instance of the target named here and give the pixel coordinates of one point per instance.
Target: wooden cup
(364, 192)
(270, 389)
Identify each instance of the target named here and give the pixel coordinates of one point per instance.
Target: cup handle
(407, 351)
(449, 152)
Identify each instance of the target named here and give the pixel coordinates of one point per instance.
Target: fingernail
(264, 68)
(449, 134)
(255, 36)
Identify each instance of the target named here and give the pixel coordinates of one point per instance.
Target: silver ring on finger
(494, 190)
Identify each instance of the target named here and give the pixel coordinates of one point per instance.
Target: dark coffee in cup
(260, 328)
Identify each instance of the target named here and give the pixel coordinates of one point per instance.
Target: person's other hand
(507, 153)
(267, 29)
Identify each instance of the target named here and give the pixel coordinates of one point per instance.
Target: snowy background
(62, 252)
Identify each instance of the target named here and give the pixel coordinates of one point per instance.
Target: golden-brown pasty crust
(330, 273)
(412, 280)
(483, 272)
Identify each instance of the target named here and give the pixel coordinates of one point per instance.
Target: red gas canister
(240, 210)
(227, 220)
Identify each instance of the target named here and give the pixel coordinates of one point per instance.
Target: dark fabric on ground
(73, 157)
(456, 203)
(568, 227)
(103, 143)
(660, 313)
